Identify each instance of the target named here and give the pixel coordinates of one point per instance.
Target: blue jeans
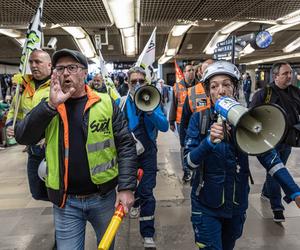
(70, 221)
(37, 187)
(271, 188)
(216, 233)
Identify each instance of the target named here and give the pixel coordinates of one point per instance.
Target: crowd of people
(94, 143)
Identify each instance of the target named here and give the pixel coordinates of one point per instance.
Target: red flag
(179, 74)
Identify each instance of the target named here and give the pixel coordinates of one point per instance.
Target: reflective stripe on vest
(101, 150)
(180, 93)
(198, 100)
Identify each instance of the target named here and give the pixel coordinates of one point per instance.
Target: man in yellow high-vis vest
(89, 151)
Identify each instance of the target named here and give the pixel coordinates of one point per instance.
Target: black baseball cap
(79, 57)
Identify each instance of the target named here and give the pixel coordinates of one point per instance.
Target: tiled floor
(28, 224)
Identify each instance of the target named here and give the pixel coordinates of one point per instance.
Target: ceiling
(211, 15)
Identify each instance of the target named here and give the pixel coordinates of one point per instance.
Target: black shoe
(186, 177)
(278, 216)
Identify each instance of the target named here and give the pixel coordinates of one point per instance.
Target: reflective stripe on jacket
(198, 100)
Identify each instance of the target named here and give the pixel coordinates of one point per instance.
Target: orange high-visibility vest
(180, 91)
(198, 100)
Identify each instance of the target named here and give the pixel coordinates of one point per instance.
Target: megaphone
(147, 98)
(257, 130)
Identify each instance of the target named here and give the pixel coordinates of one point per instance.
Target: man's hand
(10, 131)
(57, 96)
(297, 200)
(126, 198)
(172, 127)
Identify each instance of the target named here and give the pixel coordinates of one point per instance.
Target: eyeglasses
(72, 69)
(140, 81)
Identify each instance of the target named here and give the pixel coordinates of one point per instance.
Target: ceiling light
(170, 52)
(189, 46)
(292, 46)
(272, 59)
(76, 32)
(209, 49)
(179, 30)
(122, 12)
(11, 33)
(129, 45)
(163, 59)
(128, 32)
(87, 47)
(232, 27)
(20, 41)
(276, 28)
(290, 18)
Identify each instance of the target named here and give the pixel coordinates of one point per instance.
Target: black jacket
(32, 129)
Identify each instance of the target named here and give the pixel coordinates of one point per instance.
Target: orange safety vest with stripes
(198, 100)
(180, 91)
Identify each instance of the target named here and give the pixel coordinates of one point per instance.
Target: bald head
(40, 64)
(205, 64)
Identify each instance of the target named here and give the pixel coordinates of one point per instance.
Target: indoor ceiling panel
(167, 12)
(195, 43)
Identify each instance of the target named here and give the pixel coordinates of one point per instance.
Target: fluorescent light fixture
(179, 30)
(276, 28)
(76, 32)
(128, 32)
(86, 46)
(20, 41)
(272, 59)
(222, 35)
(163, 59)
(290, 18)
(292, 46)
(129, 43)
(170, 52)
(110, 47)
(209, 49)
(11, 33)
(122, 12)
(231, 27)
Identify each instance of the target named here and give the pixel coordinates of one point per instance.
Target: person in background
(283, 93)
(89, 152)
(144, 127)
(35, 87)
(220, 184)
(247, 88)
(97, 83)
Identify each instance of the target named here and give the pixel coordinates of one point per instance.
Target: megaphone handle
(219, 121)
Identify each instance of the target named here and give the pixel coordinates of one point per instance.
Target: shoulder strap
(268, 94)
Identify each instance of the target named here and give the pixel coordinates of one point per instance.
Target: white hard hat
(221, 68)
(42, 170)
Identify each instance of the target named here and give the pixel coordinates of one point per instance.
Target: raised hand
(57, 96)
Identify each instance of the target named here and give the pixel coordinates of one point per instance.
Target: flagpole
(33, 41)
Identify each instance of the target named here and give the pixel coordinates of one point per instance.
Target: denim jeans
(216, 233)
(37, 187)
(271, 188)
(70, 221)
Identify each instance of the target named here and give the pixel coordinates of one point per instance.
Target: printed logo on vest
(100, 126)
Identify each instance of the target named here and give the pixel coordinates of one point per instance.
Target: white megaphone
(258, 129)
(147, 98)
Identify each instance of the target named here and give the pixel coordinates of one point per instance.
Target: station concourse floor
(28, 224)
